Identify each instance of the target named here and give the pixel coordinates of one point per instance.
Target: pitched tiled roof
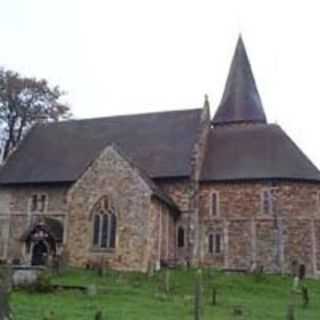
(241, 100)
(156, 191)
(160, 143)
(255, 152)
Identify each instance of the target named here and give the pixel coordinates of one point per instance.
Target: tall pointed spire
(240, 101)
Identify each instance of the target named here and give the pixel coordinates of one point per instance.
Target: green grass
(132, 296)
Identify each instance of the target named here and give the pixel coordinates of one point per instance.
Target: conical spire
(241, 101)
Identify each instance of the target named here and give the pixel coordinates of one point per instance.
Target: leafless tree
(23, 103)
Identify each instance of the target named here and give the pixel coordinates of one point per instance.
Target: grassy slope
(137, 297)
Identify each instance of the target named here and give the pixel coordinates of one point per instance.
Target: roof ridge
(161, 143)
(117, 116)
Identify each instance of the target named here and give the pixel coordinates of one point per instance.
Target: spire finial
(206, 103)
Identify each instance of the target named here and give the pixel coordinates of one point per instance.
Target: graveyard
(165, 295)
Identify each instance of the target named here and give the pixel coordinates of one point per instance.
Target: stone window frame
(270, 201)
(217, 209)
(212, 244)
(38, 195)
(108, 212)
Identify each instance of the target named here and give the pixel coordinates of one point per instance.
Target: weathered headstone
(98, 315)
(237, 310)
(56, 263)
(305, 296)
(150, 269)
(92, 290)
(167, 281)
(25, 276)
(296, 283)
(214, 296)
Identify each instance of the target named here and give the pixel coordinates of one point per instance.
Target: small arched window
(104, 224)
(96, 229)
(211, 246)
(38, 202)
(215, 243)
(218, 243)
(180, 237)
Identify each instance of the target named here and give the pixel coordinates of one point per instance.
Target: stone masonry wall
(137, 215)
(172, 238)
(17, 208)
(162, 234)
(291, 233)
(4, 222)
(155, 235)
(180, 190)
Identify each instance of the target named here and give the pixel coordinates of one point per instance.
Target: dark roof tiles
(241, 101)
(255, 152)
(160, 143)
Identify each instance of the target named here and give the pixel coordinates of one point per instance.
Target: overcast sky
(133, 56)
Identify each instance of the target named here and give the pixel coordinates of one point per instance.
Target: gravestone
(92, 290)
(24, 276)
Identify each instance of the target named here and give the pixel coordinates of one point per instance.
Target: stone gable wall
(179, 190)
(250, 236)
(137, 215)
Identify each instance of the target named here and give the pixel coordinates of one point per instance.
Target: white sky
(132, 56)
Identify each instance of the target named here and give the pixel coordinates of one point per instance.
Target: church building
(138, 192)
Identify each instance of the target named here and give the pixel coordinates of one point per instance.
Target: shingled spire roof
(241, 101)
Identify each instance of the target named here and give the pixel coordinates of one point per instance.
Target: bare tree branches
(23, 103)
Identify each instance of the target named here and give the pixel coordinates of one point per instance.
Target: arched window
(96, 229)
(180, 237)
(211, 240)
(38, 202)
(104, 224)
(218, 246)
(215, 243)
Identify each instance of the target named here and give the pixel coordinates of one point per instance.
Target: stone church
(180, 187)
